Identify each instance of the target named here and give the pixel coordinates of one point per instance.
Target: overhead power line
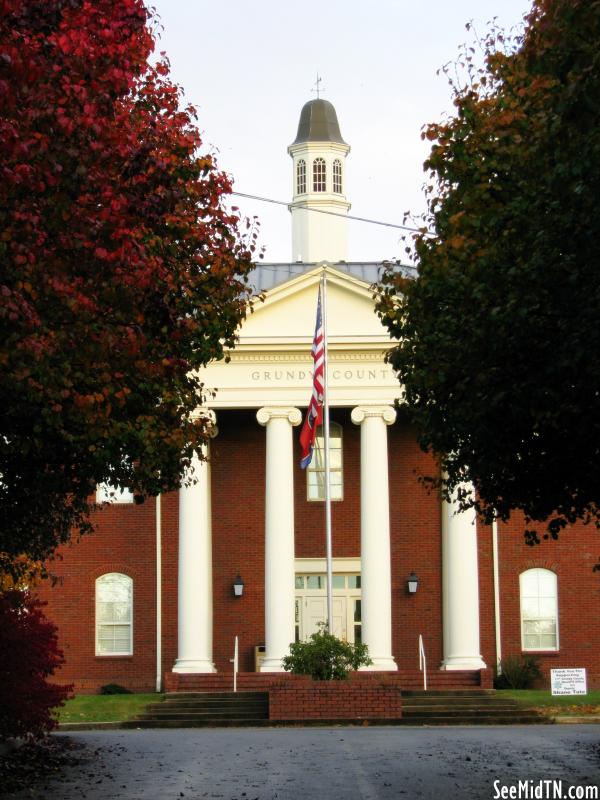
(331, 213)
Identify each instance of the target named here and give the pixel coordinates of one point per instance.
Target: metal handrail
(423, 662)
(235, 662)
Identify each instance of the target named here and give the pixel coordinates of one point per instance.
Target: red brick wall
(345, 514)
(170, 538)
(238, 514)
(487, 630)
(72, 601)
(125, 542)
(572, 558)
(326, 700)
(415, 525)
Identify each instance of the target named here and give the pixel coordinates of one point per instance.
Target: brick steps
(261, 681)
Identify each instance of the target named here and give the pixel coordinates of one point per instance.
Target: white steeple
(319, 182)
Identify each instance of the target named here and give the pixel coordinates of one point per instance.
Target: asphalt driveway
(366, 763)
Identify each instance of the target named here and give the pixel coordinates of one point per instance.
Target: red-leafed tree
(29, 655)
(121, 271)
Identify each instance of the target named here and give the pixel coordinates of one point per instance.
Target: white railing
(235, 662)
(422, 662)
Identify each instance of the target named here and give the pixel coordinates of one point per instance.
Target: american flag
(314, 414)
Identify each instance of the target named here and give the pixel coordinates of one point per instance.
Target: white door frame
(311, 566)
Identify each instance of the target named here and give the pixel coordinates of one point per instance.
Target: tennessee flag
(314, 413)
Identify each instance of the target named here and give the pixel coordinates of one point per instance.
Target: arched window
(301, 177)
(337, 176)
(114, 615)
(319, 175)
(109, 492)
(105, 493)
(539, 609)
(315, 474)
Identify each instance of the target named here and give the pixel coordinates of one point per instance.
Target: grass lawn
(576, 704)
(105, 708)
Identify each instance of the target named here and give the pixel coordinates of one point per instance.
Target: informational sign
(568, 681)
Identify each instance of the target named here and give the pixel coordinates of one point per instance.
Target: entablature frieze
(377, 357)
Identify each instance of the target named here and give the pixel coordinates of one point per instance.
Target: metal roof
(266, 276)
(318, 123)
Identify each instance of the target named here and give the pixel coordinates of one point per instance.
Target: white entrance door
(315, 611)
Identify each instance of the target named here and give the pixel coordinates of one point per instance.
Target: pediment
(272, 363)
(287, 313)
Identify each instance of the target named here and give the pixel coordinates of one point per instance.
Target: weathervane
(318, 88)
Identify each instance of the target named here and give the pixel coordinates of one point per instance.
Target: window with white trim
(315, 473)
(106, 493)
(114, 615)
(337, 176)
(319, 175)
(539, 609)
(301, 177)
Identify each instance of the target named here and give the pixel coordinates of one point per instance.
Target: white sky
(249, 67)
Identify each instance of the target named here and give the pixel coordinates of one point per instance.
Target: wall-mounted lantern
(412, 583)
(238, 587)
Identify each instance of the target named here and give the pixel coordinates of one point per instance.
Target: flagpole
(327, 475)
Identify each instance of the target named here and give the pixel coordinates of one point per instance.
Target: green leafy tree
(121, 270)
(325, 657)
(498, 337)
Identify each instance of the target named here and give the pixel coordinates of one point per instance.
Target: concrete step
(234, 713)
(162, 709)
(435, 702)
(209, 701)
(235, 722)
(457, 711)
(181, 696)
(169, 708)
(187, 710)
(460, 708)
(474, 719)
(448, 692)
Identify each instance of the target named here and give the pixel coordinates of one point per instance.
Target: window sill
(322, 500)
(113, 656)
(540, 652)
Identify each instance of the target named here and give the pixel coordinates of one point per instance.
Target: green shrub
(517, 672)
(325, 657)
(114, 688)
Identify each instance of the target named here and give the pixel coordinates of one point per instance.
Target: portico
(270, 372)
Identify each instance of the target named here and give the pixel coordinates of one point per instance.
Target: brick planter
(306, 699)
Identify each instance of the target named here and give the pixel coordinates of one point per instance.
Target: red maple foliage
(29, 655)
(121, 271)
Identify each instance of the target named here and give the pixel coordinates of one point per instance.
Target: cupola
(319, 205)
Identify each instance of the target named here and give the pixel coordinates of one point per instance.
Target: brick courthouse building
(151, 592)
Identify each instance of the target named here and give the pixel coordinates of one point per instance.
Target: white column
(279, 534)
(195, 608)
(460, 588)
(375, 533)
